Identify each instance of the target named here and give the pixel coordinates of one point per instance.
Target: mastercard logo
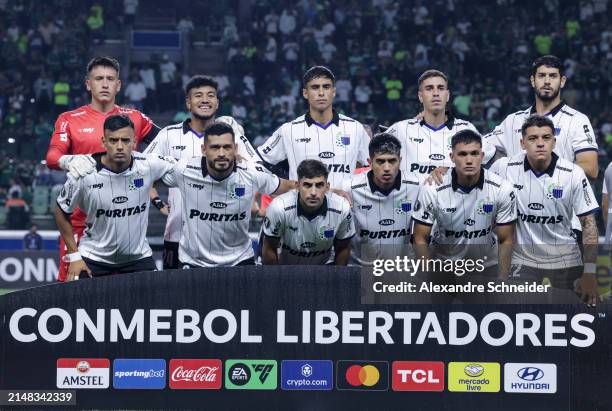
(366, 375)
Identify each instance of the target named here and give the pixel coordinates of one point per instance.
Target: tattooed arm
(588, 282)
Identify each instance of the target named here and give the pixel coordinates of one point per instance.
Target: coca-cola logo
(208, 374)
(195, 374)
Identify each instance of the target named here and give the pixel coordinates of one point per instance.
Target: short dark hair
(316, 72)
(218, 128)
(384, 143)
(198, 81)
(431, 73)
(312, 169)
(103, 61)
(466, 136)
(537, 120)
(117, 122)
(548, 61)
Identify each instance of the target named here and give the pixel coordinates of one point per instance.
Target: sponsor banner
(251, 374)
(417, 376)
(307, 375)
(533, 378)
(143, 374)
(83, 373)
(362, 375)
(474, 376)
(195, 374)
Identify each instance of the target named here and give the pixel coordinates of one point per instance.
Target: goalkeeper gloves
(78, 165)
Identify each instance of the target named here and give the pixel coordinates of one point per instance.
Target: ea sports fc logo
(342, 140)
(554, 191)
(402, 206)
(484, 206)
(236, 190)
(326, 232)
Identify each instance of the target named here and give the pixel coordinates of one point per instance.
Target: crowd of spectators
(377, 49)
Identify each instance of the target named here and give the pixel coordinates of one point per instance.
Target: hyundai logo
(530, 374)
(535, 206)
(120, 200)
(387, 221)
(327, 154)
(307, 245)
(218, 204)
(437, 156)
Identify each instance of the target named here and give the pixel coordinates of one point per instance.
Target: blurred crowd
(376, 48)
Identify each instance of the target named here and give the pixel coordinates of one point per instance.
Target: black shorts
(559, 278)
(170, 255)
(99, 269)
(248, 261)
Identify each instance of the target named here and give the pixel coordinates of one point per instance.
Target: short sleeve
(71, 194)
(423, 210)
(583, 201)
(273, 223)
(159, 145)
(171, 179)
(364, 142)
(273, 150)
(346, 228)
(582, 135)
(506, 211)
(161, 165)
(265, 182)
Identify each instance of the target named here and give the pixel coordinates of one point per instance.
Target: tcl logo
(418, 376)
(195, 374)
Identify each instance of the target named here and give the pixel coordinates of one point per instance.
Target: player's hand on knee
(436, 176)
(76, 268)
(78, 165)
(588, 290)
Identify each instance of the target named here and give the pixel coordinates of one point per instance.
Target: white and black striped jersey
(117, 207)
(339, 145)
(546, 203)
(216, 214)
(424, 147)
(383, 219)
(573, 132)
(307, 239)
(466, 217)
(607, 191)
(181, 141)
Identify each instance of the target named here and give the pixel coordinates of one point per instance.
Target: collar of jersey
(455, 185)
(397, 184)
(550, 170)
(187, 128)
(310, 121)
(450, 121)
(552, 112)
(322, 211)
(205, 170)
(99, 166)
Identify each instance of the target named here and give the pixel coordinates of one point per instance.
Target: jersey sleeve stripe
(585, 149)
(595, 210)
(416, 220)
(508, 222)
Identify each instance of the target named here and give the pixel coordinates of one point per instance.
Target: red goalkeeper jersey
(80, 131)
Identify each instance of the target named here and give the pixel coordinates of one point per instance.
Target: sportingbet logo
(362, 375)
(307, 375)
(88, 373)
(195, 374)
(251, 374)
(530, 378)
(417, 376)
(141, 374)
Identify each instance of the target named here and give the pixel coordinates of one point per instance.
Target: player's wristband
(158, 203)
(590, 268)
(72, 257)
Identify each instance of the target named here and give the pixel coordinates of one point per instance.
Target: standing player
(573, 131)
(114, 198)
(308, 223)
(338, 141)
(217, 193)
(184, 140)
(550, 190)
(470, 204)
(79, 131)
(606, 193)
(382, 202)
(426, 142)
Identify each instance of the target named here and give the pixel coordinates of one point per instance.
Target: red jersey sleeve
(61, 142)
(143, 125)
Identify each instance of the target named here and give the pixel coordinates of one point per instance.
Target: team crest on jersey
(326, 232)
(484, 206)
(449, 145)
(135, 182)
(557, 131)
(554, 191)
(402, 206)
(343, 140)
(237, 190)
